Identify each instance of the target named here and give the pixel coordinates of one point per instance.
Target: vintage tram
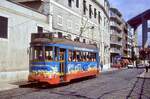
(58, 60)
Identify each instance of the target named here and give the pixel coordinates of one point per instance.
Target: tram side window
(74, 56)
(62, 54)
(89, 56)
(78, 55)
(84, 56)
(48, 53)
(56, 54)
(81, 55)
(93, 57)
(70, 56)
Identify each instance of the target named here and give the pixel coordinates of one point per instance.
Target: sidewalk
(6, 86)
(111, 70)
(144, 75)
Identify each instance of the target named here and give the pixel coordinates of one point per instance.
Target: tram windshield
(41, 53)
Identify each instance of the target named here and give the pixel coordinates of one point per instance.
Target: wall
(14, 51)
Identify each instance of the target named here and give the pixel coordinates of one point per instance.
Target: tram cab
(58, 60)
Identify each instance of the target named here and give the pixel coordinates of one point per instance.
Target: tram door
(62, 63)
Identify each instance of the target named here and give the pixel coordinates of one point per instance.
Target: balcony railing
(117, 18)
(116, 42)
(112, 24)
(116, 34)
(115, 50)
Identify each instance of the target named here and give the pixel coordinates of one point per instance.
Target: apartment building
(116, 37)
(127, 41)
(121, 40)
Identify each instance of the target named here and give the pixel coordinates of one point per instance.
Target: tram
(59, 60)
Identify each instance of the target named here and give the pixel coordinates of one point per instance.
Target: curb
(4, 87)
(112, 70)
(144, 75)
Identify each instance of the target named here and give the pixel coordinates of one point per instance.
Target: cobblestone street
(121, 84)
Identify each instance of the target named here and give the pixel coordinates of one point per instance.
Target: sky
(131, 8)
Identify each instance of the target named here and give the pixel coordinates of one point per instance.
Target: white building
(17, 22)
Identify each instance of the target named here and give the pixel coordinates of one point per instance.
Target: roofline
(104, 10)
(25, 7)
(113, 8)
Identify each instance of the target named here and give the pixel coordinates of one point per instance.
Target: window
(84, 41)
(99, 17)
(95, 12)
(40, 29)
(56, 50)
(77, 3)
(59, 20)
(90, 11)
(60, 35)
(70, 56)
(3, 27)
(37, 53)
(104, 21)
(49, 53)
(74, 56)
(70, 3)
(84, 7)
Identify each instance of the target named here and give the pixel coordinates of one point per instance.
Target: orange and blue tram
(59, 60)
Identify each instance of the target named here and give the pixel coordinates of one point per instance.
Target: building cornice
(102, 7)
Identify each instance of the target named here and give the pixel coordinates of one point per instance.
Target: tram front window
(37, 53)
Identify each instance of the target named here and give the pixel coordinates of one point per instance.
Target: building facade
(85, 20)
(116, 37)
(121, 40)
(127, 41)
(17, 22)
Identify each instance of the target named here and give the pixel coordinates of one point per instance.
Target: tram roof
(63, 41)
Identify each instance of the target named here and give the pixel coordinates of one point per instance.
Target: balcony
(117, 18)
(116, 26)
(115, 50)
(113, 33)
(116, 42)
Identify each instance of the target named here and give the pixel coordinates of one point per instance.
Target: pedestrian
(146, 67)
(101, 65)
